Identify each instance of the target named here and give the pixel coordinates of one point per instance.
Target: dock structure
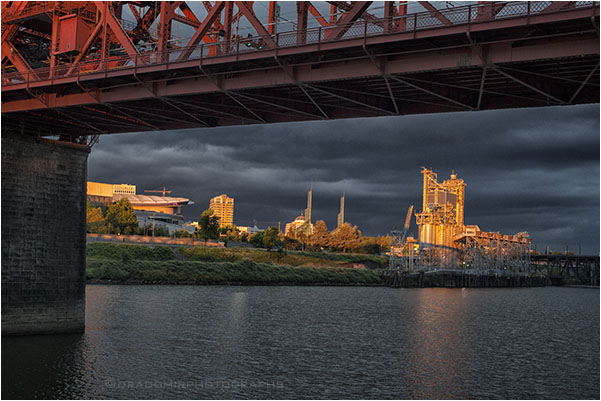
(461, 278)
(543, 270)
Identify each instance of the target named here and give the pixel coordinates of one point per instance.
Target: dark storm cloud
(534, 170)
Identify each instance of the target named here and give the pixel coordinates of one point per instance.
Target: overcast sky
(534, 170)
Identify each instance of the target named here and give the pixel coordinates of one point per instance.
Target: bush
(206, 254)
(133, 252)
(242, 271)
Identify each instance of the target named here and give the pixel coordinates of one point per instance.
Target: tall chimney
(309, 202)
(341, 214)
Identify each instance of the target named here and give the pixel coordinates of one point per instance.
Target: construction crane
(161, 191)
(399, 237)
(407, 222)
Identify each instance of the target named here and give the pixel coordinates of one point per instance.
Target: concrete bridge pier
(43, 235)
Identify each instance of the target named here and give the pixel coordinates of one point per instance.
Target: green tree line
(119, 218)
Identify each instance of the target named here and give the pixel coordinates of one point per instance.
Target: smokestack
(341, 214)
(309, 203)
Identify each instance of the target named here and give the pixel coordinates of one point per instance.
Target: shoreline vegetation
(137, 264)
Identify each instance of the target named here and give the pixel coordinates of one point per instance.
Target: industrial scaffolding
(444, 242)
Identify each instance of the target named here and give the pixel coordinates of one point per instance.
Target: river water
(316, 342)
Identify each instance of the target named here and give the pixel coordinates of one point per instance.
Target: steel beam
(202, 30)
(301, 21)
(214, 111)
(11, 52)
(344, 23)
(277, 105)
(347, 6)
(582, 85)
(166, 101)
(430, 92)
(119, 32)
(481, 91)
(439, 59)
(559, 5)
(435, 12)
(290, 73)
(527, 85)
(254, 21)
(349, 99)
(317, 15)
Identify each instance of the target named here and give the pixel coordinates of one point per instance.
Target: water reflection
(316, 342)
(440, 346)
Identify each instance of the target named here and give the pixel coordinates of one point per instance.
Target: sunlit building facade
(223, 207)
(101, 193)
(444, 241)
(158, 211)
(295, 226)
(441, 218)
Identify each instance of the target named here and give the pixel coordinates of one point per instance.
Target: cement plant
(446, 242)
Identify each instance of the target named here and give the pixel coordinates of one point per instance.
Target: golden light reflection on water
(437, 357)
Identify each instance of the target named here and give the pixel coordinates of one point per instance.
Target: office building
(223, 207)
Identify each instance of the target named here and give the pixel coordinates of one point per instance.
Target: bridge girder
(354, 64)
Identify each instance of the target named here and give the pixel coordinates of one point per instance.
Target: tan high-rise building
(223, 206)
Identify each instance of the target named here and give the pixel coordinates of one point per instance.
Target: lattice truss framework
(109, 67)
(91, 36)
(483, 255)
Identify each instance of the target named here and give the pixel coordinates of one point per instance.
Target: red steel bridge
(76, 70)
(73, 69)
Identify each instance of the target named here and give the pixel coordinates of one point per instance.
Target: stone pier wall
(43, 235)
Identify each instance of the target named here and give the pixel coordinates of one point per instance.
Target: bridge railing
(469, 14)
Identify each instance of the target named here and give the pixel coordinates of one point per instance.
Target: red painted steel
(69, 66)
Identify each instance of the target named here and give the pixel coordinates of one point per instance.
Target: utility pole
(153, 220)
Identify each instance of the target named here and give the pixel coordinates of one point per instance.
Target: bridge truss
(565, 267)
(105, 67)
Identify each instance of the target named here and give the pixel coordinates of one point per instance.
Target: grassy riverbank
(140, 264)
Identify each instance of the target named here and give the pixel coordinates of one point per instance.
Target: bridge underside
(552, 62)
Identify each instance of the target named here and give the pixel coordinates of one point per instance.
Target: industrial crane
(161, 191)
(402, 234)
(407, 223)
(399, 238)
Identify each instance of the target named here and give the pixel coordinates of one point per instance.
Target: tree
(292, 244)
(346, 238)
(232, 233)
(384, 242)
(182, 234)
(209, 225)
(160, 231)
(369, 245)
(257, 239)
(320, 237)
(121, 219)
(94, 218)
(271, 238)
